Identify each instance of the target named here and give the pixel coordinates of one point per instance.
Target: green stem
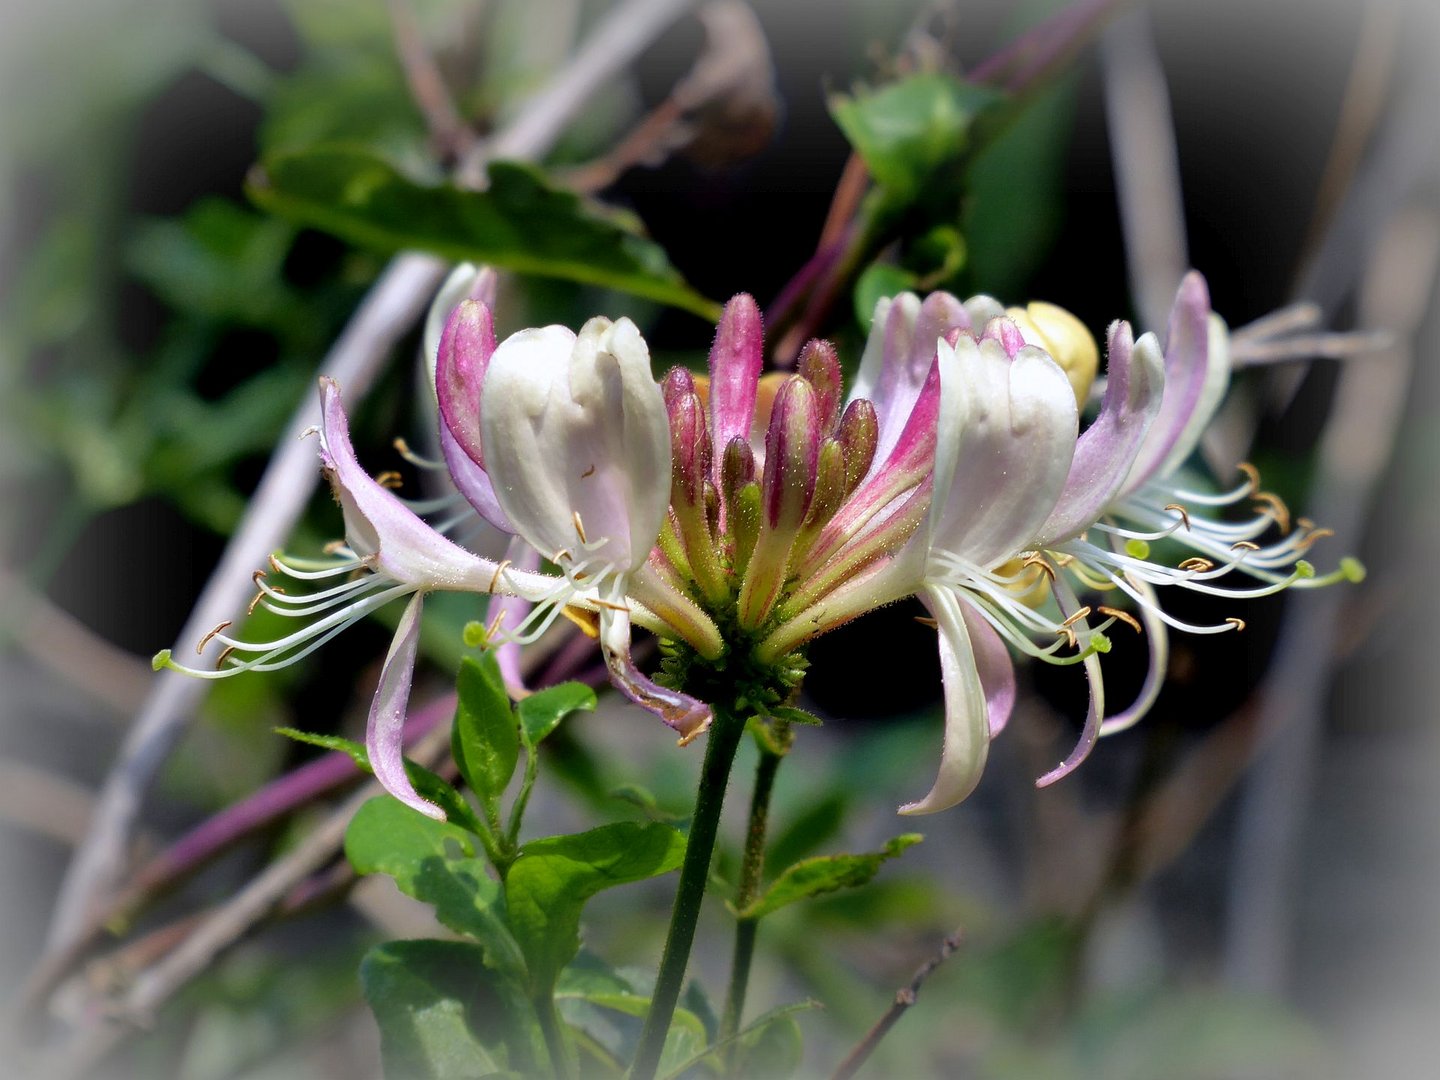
(554, 1038)
(721, 745)
(750, 876)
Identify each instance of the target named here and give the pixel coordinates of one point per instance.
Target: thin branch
(393, 305)
(451, 136)
(904, 998)
(1147, 166)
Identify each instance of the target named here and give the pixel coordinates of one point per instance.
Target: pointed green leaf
(426, 782)
(434, 862)
(542, 711)
(486, 738)
(440, 1015)
(822, 874)
(762, 1051)
(520, 222)
(549, 882)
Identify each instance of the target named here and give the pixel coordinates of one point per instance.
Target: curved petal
(471, 480)
(1005, 439)
(997, 670)
(384, 732)
(687, 715)
(508, 612)
(466, 282)
(462, 357)
(587, 440)
(1191, 373)
(379, 527)
(1095, 713)
(1107, 449)
(967, 727)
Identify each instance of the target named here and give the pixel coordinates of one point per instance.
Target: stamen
(1305, 523)
(403, 449)
(1244, 545)
(1252, 474)
(1080, 614)
(610, 606)
(1198, 564)
(1036, 559)
(1070, 638)
(1124, 616)
(390, 479)
(1313, 535)
(563, 555)
(311, 430)
(1184, 514)
(495, 577)
(579, 526)
(1278, 508)
(925, 620)
(224, 655)
(1239, 624)
(211, 636)
(334, 547)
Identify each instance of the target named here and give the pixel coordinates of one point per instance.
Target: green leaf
(427, 784)
(905, 132)
(879, 279)
(388, 837)
(486, 738)
(766, 1054)
(822, 874)
(1014, 188)
(439, 1016)
(519, 223)
(549, 882)
(542, 711)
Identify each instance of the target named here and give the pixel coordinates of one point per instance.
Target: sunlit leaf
(822, 874)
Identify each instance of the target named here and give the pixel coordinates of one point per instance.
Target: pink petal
(466, 346)
(384, 733)
(736, 359)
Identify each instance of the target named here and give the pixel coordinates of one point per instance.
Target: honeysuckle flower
(388, 553)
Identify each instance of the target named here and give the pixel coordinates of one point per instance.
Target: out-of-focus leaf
(821, 817)
(907, 131)
(550, 881)
(519, 223)
(768, 1046)
(822, 874)
(439, 1017)
(542, 711)
(1013, 192)
(878, 280)
(485, 739)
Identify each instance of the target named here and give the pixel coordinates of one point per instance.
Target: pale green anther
(1137, 549)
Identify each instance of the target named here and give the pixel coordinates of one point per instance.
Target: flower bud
(1065, 338)
(735, 362)
(689, 446)
(819, 364)
(859, 433)
(677, 381)
(792, 445)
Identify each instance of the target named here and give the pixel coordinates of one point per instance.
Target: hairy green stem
(751, 870)
(721, 745)
(560, 1064)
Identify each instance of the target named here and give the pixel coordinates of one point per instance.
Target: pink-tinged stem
(1019, 65)
(268, 805)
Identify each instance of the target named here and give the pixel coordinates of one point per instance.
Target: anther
(495, 577)
(1124, 616)
(1073, 619)
(334, 547)
(200, 648)
(224, 655)
(275, 564)
(390, 479)
(1069, 635)
(1197, 564)
(1244, 545)
(311, 430)
(588, 473)
(587, 621)
(1305, 523)
(1184, 514)
(1279, 511)
(610, 606)
(563, 555)
(1252, 474)
(254, 603)
(1036, 559)
(579, 526)
(1313, 535)
(1238, 624)
(926, 621)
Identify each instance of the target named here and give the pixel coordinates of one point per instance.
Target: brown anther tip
(1305, 523)
(1184, 514)
(924, 620)
(200, 647)
(1197, 564)
(390, 480)
(256, 576)
(563, 555)
(224, 655)
(495, 577)
(254, 603)
(1036, 559)
(333, 547)
(1239, 624)
(579, 526)
(1082, 613)
(275, 564)
(401, 445)
(1244, 545)
(1252, 474)
(1278, 510)
(588, 473)
(612, 607)
(1069, 635)
(1124, 616)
